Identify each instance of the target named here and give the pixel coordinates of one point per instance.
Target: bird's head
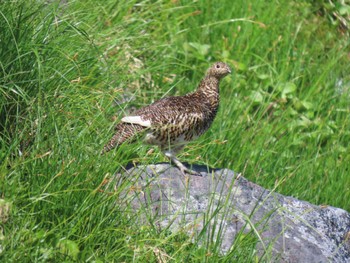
(219, 70)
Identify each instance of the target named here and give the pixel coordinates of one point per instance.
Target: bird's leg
(184, 170)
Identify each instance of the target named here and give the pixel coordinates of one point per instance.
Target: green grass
(283, 122)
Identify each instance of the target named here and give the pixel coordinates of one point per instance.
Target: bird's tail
(123, 132)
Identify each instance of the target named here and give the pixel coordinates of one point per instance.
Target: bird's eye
(217, 66)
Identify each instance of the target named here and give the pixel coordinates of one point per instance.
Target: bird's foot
(191, 172)
(185, 171)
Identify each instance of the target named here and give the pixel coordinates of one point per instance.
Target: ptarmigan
(172, 122)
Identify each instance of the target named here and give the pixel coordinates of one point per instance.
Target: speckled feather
(176, 120)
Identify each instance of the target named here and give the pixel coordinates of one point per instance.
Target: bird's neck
(209, 83)
(209, 87)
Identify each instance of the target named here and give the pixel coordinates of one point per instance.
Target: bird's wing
(167, 111)
(137, 120)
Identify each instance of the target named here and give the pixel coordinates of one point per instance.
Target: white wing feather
(136, 120)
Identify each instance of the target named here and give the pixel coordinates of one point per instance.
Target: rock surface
(226, 205)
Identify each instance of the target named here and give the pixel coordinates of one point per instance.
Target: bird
(172, 122)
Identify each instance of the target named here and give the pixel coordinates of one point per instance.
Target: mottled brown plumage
(172, 122)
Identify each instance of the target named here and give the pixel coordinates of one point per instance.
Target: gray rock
(226, 205)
